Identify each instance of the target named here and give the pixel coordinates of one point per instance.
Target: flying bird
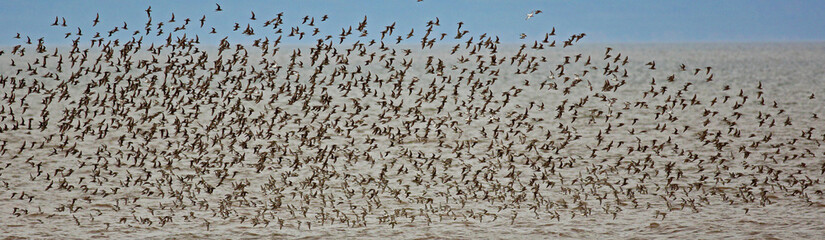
(531, 14)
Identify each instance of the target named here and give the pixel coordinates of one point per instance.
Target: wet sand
(183, 150)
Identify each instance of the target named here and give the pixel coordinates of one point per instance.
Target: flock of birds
(362, 129)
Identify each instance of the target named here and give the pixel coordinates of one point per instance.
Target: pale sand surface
(204, 158)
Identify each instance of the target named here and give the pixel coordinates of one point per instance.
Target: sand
(242, 155)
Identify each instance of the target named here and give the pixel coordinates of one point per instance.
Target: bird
(531, 14)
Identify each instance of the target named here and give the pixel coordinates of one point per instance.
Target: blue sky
(603, 21)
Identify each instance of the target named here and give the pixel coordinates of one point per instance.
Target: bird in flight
(531, 14)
